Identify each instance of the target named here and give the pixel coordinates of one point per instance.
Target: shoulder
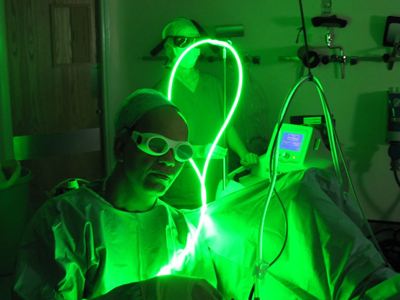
(73, 206)
(78, 199)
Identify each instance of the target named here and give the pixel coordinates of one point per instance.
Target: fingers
(249, 159)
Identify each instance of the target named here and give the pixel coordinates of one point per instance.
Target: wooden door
(52, 48)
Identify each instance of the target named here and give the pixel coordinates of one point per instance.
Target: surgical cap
(136, 105)
(176, 26)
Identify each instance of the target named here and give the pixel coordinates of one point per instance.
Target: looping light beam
(179, 257)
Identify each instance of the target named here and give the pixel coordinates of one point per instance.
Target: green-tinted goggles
(182, 41)
(157, 145)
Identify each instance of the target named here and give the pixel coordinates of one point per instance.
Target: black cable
(303, 24)
(284, 241)
(252, 291)
(286, 230)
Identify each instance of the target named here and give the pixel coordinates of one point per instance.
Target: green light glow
(179, 257)
(274, 167)
(329, 124)
(262, 265)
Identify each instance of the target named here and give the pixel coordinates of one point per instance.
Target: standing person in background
(199, 96)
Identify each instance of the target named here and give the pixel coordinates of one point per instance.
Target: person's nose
(168, 159)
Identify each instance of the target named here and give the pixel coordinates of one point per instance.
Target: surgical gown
(326, 254)
(79, 246)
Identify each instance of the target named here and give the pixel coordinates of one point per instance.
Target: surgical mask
(157, 145)
(190, 59)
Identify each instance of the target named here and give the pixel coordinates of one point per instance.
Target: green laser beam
(179, 256)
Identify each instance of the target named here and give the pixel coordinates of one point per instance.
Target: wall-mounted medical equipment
(330, 22)
(229, 31)
(311, 58)
(391, 38)
(316, 56)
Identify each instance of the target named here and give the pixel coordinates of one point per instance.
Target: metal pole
(6, 132)
(106, 120)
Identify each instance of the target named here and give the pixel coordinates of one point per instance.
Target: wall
(52, 59)
(358, 101)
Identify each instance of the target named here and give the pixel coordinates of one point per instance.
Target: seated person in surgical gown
(111, 240)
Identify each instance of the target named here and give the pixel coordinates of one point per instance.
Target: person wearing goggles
(110, 239)
(151, 155)
(177, 36)
(182, 41)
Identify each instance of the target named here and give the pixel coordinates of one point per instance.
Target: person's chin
(158, 185)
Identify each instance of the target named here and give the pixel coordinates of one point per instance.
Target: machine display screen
(291, 141)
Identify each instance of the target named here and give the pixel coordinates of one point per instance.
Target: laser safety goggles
(158, 145)
(179, 41)
(182, 41)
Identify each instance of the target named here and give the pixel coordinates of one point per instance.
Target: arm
(247, 158)
(48, 265)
